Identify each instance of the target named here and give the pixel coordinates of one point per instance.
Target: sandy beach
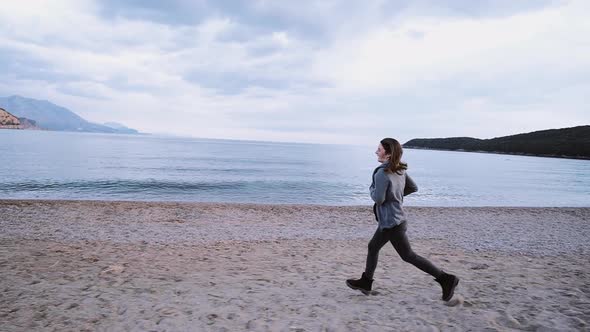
(156, 266)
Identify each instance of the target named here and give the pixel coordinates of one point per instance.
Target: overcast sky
(304, 71)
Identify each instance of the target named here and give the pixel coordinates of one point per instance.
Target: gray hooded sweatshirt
(388, 191)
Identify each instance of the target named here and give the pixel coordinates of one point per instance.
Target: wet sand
(130, 266)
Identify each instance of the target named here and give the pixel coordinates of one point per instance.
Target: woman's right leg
(400, 242)
(380, 238)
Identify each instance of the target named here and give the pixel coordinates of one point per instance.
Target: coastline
(224, 266)
(499, 152)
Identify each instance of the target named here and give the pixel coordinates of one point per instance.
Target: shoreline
(499, 152)
(187, 202)
(506, 229)
(128, 266)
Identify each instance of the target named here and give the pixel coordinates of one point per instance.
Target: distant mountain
(121, 128)
(564, 143)
(52, 117)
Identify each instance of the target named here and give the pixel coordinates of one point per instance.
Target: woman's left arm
(410, 187)
(379, 190)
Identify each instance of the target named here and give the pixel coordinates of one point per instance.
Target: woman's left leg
(400, 242)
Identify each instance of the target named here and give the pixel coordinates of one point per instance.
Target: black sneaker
(363, 284)
(448, 282)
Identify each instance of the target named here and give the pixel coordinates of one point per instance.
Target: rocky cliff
(8, 121)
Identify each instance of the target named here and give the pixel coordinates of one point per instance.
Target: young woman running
(390, 184)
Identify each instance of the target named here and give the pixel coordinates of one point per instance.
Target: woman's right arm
(379, 189)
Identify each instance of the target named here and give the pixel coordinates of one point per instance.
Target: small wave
(260, 191)
(116, 185)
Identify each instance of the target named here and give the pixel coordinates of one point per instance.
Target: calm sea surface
(60, 165)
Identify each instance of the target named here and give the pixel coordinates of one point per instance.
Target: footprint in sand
(479, 266)
(506, 319)
(168, 311)
(113, 269)
(209, 319)
(72, 306)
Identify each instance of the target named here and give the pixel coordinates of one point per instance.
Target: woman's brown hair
(395, 152)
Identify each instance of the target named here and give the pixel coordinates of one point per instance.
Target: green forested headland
(563, 143)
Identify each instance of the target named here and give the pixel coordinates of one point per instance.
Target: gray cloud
(486, 8)
(339, 71)
(312, 18)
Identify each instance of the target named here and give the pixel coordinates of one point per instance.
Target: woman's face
(382, 156)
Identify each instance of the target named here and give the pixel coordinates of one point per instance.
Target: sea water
(88, 166)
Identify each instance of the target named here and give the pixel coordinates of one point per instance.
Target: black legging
(397, 236)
